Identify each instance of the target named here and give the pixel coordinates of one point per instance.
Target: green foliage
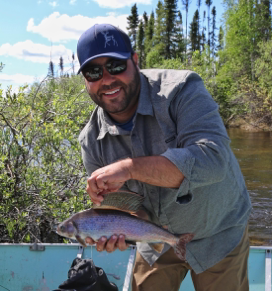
(194, 37)
(42, 179)
(133, 21)
(263, 67)
(170, 8)
(155, 56)
(140, 44)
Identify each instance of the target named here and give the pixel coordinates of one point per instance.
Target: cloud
(17, 79)
(53, 4)
(120, 3)
(62, 27)
(35, 52)
(72, 2)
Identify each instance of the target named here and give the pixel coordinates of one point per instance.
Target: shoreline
(248, 125)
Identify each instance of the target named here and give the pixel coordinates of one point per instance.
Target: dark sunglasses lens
(93, 74)
(115, 67)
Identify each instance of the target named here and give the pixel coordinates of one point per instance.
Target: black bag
(85, 276)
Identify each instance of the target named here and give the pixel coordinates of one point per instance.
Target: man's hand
(111, 245)
(108, 179)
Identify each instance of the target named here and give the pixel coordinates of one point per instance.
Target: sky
(33, 32)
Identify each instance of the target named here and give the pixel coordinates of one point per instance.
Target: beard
(130, 95)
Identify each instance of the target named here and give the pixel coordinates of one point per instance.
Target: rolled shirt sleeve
(202, 152)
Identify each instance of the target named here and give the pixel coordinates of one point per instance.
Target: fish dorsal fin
(122, 201)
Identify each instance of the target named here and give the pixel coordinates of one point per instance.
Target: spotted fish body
(96, 223)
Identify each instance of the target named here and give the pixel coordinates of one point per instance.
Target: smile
(112, 92)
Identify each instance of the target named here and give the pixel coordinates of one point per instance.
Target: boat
(43, 267)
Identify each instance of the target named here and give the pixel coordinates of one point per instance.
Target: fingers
(100, 245)
(109, 178)
(111, 245)
(121, 244)
(89, 241)
(96, 193)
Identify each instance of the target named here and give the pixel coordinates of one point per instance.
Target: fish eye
(62, 228)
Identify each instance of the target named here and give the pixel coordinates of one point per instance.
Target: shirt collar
(144, 108)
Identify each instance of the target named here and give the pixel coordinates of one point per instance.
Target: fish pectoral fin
(80, 240)
(158, 247)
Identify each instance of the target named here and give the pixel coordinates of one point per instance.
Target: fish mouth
(55, 228)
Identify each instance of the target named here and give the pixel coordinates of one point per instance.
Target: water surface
(254, 153)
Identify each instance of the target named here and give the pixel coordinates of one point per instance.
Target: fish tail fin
(180, 246)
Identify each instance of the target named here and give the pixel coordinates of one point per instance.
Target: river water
(254, 153)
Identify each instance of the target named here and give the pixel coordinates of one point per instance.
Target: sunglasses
(94, 73)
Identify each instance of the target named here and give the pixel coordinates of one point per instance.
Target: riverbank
(248, 125)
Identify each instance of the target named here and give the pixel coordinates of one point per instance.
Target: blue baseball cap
(103, 40)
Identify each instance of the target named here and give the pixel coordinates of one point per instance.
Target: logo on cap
(109, 39)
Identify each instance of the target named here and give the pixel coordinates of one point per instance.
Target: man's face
(116, 94)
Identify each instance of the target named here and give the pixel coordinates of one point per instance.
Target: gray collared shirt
(178, 119)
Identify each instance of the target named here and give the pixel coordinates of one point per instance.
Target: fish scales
(97, 222)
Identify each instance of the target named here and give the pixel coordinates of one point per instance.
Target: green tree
(263, 70)
(242, 38)
(220, 39)
(186, 4)
(170, 7)
(145, 20)
(51, 70)
(208, 3)
(199, 2)
(159, 27)
(140, 43)
(178, 39)
(61, 65)
(73, 64)
(149, 33)
(213, 32)
(263, 19)
(133, 21)
(193, 34)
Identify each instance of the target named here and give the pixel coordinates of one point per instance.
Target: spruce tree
(178, 39)
(186, 4)
(170, 7)
(51, 73)
(140, 44)
(220, 39)
(145, 18)
(213, 34)
(159, 28)
(149, 33)
(133, 21)
(61, 66)
(208, 3)
(194, 32)
(199, 2)
(203, 33)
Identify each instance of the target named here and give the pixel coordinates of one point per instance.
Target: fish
(108, 220)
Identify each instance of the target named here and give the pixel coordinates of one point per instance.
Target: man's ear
(136, 60)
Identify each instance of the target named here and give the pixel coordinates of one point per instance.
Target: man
(158, 133)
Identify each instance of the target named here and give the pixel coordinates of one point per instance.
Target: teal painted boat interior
(26, 270)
